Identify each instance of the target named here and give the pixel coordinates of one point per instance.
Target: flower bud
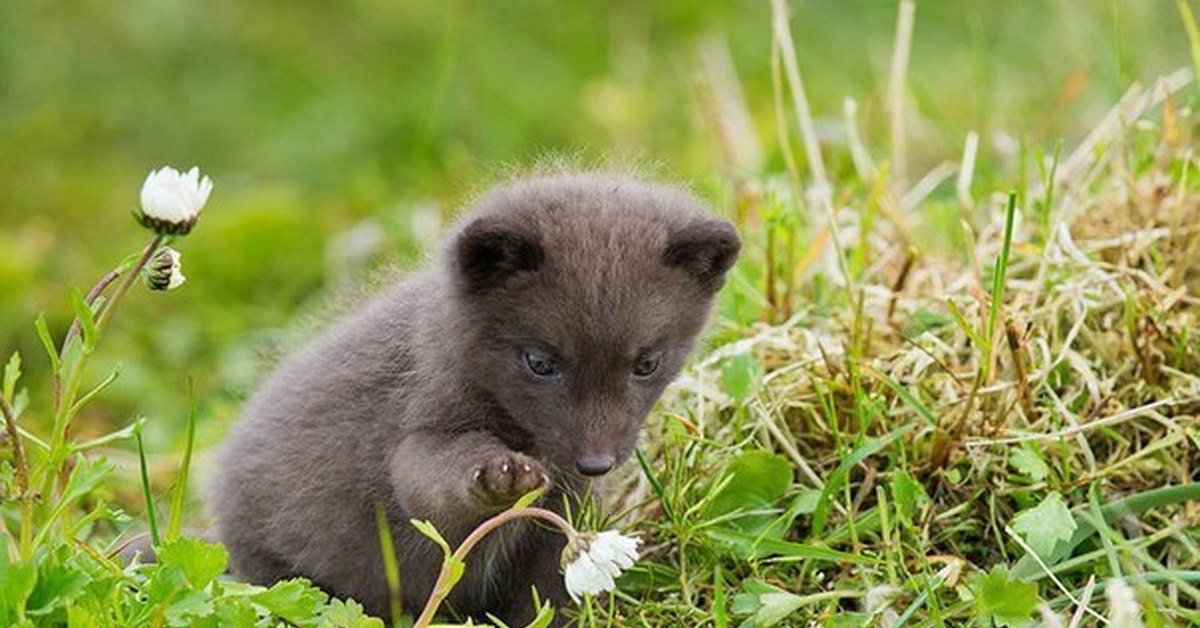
(162, 272)
(171, 201)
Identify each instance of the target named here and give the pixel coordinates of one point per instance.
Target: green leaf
(87, 320)
(347, 614)
(180, 491)
(426, 528)
(391, 568)
(43, 332)
(719, 611)
(1029, 462)
(763, 547)
(17, 583)
(201, 562)
(1046, 524)
(768, 604)
(753, 483)
(838, 478)
(1002, 601)
(544, 616)
(741, 375)
(151, 516)
(168, 593)
(528, 498)
(909, 494)
(12, 372)
(234, 611)
(57, 585)
(86, 475)
(295, 600)
(1128, 506)
(924, 320)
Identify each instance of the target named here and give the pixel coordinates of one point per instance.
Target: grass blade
(150, 515)
(391, 568)
(838, 478)
(180, 492)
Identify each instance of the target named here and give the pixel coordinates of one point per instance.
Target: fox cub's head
(583, 295)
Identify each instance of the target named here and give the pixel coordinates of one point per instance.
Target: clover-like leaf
(1001, 601)
(1044, 525)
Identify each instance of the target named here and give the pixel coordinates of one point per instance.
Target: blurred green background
(340, 135)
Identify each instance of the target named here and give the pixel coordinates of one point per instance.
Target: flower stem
(64, 406)
(73, 331)
(22, 473)
(438, 594)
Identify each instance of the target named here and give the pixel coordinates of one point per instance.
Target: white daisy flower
(594, 560)
(171, 201)
(163, 272)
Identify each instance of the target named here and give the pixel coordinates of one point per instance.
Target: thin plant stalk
(440, 588)
(998, 276)
(21, 470)
(65, 398)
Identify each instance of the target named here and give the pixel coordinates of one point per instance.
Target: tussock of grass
(941, 394)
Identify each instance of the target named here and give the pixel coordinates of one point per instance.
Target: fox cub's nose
(595, 465)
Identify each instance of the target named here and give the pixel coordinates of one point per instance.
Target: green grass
(970, 401)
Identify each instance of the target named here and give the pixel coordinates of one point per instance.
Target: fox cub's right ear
(489, 252)
(706, 250)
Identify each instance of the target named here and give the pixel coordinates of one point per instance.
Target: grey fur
(421, 401)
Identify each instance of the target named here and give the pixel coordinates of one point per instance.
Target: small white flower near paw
(593, 561)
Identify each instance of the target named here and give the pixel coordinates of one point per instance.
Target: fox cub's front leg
(457, 479)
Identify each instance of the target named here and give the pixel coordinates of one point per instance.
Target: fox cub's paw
(504, 477)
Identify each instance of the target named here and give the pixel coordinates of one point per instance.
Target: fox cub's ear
(706, 250)
(489, 252)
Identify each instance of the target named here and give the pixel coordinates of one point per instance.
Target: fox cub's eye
(646, 366)
(540, 365)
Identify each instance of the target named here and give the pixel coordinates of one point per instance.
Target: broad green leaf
(171, 599)
(1001, 601)
(753, 483)
(234, 612)
(767, 604)
(909, 494)
(1029, 462)
(347, 614)
(82, 617)
(201, 562)
(1046, 524)
(1130, 505)
(747, 602)
(17, 583)
(187, 607)
(84, 478)
(741, 375)
(295, 600)
(57, 585)
(776, 607)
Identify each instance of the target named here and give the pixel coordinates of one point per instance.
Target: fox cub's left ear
(706, 249)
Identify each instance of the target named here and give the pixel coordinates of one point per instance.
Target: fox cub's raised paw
(504, 477)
